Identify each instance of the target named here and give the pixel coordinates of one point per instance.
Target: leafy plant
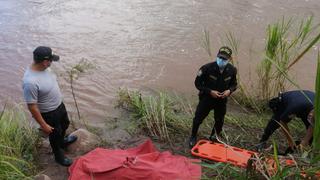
(282, 49)
(17, 145)
(74, 74)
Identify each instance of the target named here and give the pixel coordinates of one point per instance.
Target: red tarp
(142, 162)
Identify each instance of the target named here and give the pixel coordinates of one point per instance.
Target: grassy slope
(163, 113)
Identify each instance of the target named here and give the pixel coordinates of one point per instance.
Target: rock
(42, 177)
(45, 143)
(86, 142)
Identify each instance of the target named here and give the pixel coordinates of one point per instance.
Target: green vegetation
(159, 115)
(282, 70)
(282, 52)
(18, 142)
(316, 133)
(74, 73)
(243, 97)
(205, 43)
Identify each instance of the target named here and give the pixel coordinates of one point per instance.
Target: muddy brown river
(137, 44)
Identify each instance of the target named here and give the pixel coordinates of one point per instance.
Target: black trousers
(58, 119)
(206, 104)
(273, 125)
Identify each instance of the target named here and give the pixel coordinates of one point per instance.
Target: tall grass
(243, 97)
(283, 47)
(17, 146)
(158, 115)
(206, 43)
(316, 133)
(284, 74)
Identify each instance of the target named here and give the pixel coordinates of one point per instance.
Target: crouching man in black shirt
(285, 107)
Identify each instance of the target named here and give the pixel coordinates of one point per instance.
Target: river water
(137, 44)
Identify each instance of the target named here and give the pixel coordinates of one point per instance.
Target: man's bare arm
(307, 137)
(33, 108)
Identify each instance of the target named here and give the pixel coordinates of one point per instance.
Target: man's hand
(225, 93)
(215, 94)
(33, 108)
(47, 128)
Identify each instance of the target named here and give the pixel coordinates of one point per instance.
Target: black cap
(224, 52)
(274, 103)
(42, 53)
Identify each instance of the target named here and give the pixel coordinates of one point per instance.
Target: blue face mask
(221, 62)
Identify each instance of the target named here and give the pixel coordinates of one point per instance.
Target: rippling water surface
(136, 44)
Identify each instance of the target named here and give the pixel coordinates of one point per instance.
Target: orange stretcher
(222, 153)
(238, 157)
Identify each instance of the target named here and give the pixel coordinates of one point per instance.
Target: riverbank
(243, 128)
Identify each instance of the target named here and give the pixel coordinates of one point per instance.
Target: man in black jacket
(285, 107)
(215, 82)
